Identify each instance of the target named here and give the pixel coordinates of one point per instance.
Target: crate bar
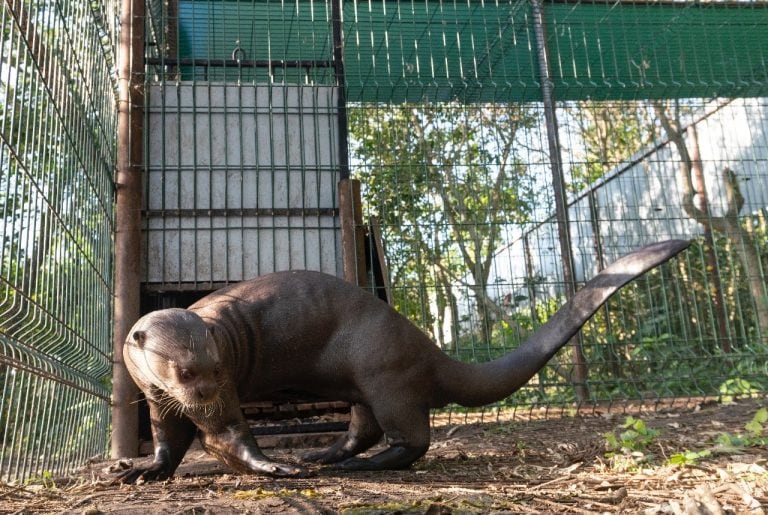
(235, 212)
(239, 63)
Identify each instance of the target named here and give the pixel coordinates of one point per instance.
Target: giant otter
(306, 332)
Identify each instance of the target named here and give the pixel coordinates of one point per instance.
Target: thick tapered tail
(474, 385)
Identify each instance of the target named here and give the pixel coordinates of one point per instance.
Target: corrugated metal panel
(241, 181)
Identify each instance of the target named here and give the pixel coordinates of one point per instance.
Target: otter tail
(478, 384)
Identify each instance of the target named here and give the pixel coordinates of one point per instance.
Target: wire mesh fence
(507, 150)
(475, 255)
(658, 130)
(56, 193)
(456, 115)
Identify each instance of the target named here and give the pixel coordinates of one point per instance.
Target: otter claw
(280, 470)
(129, 477)
(132, 475)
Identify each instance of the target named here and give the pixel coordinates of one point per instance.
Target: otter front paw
(275, 469)
(154, 472)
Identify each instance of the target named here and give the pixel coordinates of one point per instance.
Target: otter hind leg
(363, 433)
(407, 432)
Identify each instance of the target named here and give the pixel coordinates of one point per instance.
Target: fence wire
(57, 146)
(661, 124)
(660, 111)
(661, 119)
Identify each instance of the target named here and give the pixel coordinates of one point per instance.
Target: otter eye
(186, 375)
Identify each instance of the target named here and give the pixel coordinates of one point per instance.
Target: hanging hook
(238, 54)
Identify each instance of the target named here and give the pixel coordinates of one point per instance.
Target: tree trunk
(727, 224)
(710, 255)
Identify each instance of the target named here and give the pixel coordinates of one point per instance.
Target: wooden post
(130, 122)
(352, 233)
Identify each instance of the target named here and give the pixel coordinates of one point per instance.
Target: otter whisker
(169, 404)
(165, 408)
(220, 404)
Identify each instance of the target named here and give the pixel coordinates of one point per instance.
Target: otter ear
(139, 337)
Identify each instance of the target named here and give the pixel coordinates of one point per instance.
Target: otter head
(172, 356)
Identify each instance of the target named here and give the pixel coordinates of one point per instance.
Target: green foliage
(636, 436)
(688, 457)
(611, 133)
(726, 443)
(629, 448)
(444, 181)
(756, 433)
(731, 443)
(738, 387)
(45, 479)
(758, 426)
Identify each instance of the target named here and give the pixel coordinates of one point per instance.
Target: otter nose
(206, 392)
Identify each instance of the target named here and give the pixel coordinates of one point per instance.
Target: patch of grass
(45, 479)
(756, 433)
(629, 448)
(688, 457)
(636, 436)
(726, 443)
(738, 388)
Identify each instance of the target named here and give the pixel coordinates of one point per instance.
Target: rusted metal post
(127, 221)
(579, 378)
(341, 88)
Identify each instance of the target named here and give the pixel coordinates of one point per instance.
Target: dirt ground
(547, 464)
